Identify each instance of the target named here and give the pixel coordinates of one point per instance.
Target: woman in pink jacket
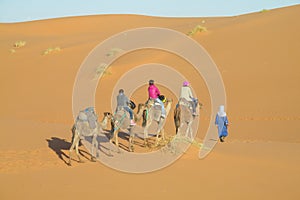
(154, 93)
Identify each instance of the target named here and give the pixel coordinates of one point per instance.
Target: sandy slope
(258, 56)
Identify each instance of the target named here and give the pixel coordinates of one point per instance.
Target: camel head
(141, 106)
(108, 115)
(169, 101)
(150, 103)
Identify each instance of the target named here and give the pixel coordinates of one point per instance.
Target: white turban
(222, 112)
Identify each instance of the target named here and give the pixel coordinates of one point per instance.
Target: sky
(28, 10)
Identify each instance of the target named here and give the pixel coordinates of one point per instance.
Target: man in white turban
(222, 123)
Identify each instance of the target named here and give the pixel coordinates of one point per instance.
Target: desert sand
(258, 57)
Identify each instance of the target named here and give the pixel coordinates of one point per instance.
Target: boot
(132, 123)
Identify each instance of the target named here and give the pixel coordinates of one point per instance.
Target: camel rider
(187, 94)
(154, 94)
(123, 102)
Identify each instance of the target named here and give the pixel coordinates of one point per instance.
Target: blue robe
(222, 123)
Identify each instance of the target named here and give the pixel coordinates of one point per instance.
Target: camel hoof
(131, 149)
(81, 161)
(69, 164)
(93, 159)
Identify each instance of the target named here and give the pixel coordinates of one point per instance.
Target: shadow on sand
(58, 145)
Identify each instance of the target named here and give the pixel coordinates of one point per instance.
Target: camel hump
(88, 115)
(82, 116)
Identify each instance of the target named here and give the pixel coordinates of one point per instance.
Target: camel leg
(75, 145)
(115, 138)
(189, 130)
(146, 133)
(112, 138)
(157, 138)
(179, 129)
(71, 149)
(162, 133)
(76, 149)
(177, 121)
(94, 147)
(131, 139)
(159, 130)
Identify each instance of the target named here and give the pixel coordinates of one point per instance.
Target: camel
(153, 113)
(121, 121)
(183, 115)
(86, 125)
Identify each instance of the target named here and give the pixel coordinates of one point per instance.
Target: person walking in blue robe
(222, 123)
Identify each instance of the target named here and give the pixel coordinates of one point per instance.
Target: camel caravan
(151, 114)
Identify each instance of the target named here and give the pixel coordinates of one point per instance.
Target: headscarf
(186, 83)
(222, 112)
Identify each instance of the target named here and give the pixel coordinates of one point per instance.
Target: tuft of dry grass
(19, 44)
(101, 70)
(264, 10)
(197, 29)
(114, 52)
(51, 50)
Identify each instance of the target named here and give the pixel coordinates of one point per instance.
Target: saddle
(154, 108)
(184, 102)
(121, 118)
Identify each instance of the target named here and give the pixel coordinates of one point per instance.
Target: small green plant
(197, 29)
(264, 10)
(51, 50)
(114, 51)
(19, 44)
(101, 70)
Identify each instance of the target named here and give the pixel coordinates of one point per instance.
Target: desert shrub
(114, 52)
(197, 29)
(264, 10)
(19, 44)
(51, 50)
(101, 70)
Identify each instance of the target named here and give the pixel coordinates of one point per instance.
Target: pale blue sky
(27, 10)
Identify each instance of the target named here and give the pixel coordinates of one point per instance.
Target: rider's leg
(163, 111)
(193, 106)
(129, 111)
(130, 114)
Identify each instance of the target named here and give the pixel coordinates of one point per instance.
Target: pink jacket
(153, 92)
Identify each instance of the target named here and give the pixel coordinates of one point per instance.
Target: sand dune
(258, 57)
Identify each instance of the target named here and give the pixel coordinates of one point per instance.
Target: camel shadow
(58, 145)
(102, 140)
